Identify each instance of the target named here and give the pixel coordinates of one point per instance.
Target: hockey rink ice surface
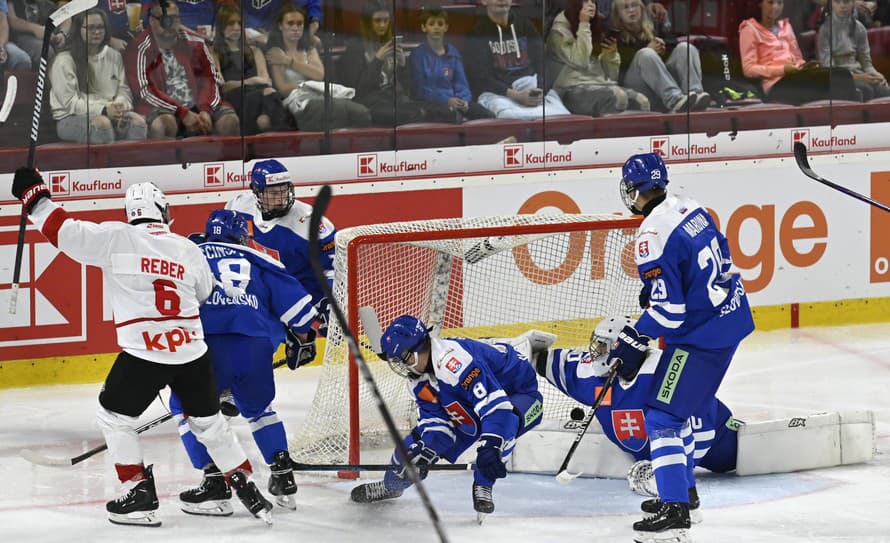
(775, 374)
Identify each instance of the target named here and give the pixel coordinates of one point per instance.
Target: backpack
(722, 75)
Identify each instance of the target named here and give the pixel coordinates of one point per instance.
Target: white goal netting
(479, 277)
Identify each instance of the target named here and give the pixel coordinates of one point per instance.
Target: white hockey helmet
(603, 339)
(145, 202)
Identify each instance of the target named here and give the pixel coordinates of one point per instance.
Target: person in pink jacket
(770, 53)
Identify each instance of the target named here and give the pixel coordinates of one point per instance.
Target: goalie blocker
(815, 441)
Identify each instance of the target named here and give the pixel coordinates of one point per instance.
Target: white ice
(775, 374)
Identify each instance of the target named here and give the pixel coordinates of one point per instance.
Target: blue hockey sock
(269, 435)
(196, 451)
(668, 455)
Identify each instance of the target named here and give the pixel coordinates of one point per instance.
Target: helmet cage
(405, 364)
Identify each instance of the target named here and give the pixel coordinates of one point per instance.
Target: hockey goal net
(477, 277)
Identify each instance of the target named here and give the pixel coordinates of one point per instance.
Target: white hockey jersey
(155, 280)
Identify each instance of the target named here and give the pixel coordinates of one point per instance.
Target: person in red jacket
(173, 74)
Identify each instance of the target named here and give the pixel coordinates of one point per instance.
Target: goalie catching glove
(28, 186)
(299, 352)
(489, 461)
(418, 454)
(630, 349)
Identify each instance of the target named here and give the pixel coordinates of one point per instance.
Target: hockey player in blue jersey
(467, 392)
(253, 302)
(582, 374)
(702, 312)
(279, 226)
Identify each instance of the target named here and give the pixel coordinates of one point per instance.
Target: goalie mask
(144, 202)
(641, 173)
(227, 226)
(271, 184)
(603, 339)
(402, 341)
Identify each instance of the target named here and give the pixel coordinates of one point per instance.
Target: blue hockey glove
(322, 317)
(421, 456)
(299, 352)
(630, 348)
(197, 237)
(488, 457)
(645, 293)
(28, 186)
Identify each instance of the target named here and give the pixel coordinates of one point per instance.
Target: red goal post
(476, 277)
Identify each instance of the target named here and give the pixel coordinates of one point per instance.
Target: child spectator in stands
(770, 53)
(177, 80)
(260, 18)
(657, 12)
(375, 65)
(89, 96)
(653, 62)
(437, 69)
(247, 85)
(508, 66)
(27, 19)
(843, 43)
(586, 63)
(293, 63)
(11, 56)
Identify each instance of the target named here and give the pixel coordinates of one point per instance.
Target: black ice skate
(482, 501)
(251, 497)
(695, 516)
(373, 492)
(669, 525)
(211, 498)
(138, 506)
(281, 482)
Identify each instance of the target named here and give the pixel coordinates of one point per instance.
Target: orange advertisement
(880, 229)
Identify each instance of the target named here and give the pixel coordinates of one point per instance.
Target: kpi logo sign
(514, 157)
(367, 165)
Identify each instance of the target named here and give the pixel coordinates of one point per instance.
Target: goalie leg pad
(220, 441)
(800, 443)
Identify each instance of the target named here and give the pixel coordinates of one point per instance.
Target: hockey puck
(577, 413)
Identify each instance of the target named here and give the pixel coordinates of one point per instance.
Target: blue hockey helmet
(227, 226)
(642, 173)
(406, 336)
(271, 183)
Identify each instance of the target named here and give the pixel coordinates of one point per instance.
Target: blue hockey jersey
(286, 239)
(695, 300)
(469, 390)
(622, 413)
(253, 296)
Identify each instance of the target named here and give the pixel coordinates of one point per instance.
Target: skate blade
(695, 516)
(480, 518)
(287, 501)
(265, 515)
(667, 536)
(136, 518)
(212, 508)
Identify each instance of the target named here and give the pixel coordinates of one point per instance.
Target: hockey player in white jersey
(702, 312)
(155, 280)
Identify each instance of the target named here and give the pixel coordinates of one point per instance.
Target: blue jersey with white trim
(684, 258)
(287, 240)
(469, 391)
(253, 296)
(622, 413)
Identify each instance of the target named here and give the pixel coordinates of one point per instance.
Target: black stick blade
(800, 155)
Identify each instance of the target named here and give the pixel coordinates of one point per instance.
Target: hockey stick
(321, 204)
(378, 467)
(800, 154)
(55, 19)
(36, 458)
(564, 476)
(368, 316)
(12, 87)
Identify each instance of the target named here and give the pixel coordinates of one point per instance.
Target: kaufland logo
(371, 166)
(214, 175)
(660, 146)
(800, 136)
(60, 183)
(513, 156)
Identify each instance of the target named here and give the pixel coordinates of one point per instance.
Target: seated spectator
(587, 64)
(843, 43)
(655, 63)
(198, 16)
(770, 53)
(882, 13)
(260, 18)
(292, 63)
(172, 73)
(375, 65)
(866, 12)
(11, 56)
(657, 12)
(247, 85)
(89, 96)
(437, 70)
(508, 66)
(119, 20)
(27, 19)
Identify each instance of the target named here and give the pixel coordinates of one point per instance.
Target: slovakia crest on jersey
(630, 428)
